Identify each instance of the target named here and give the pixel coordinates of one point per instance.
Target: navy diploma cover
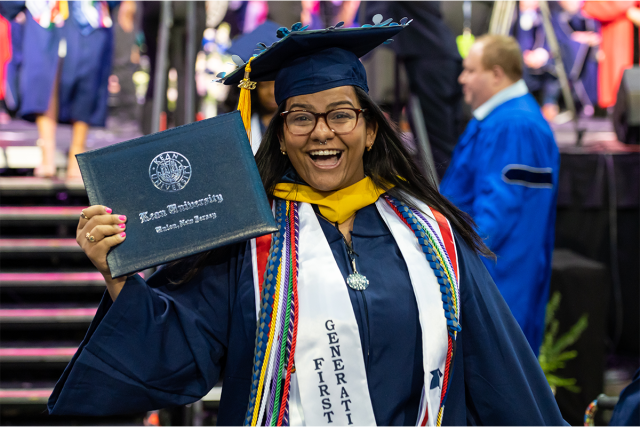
(184, 191)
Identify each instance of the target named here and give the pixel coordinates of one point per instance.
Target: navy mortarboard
(304, 62)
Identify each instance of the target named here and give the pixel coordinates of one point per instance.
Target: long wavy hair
(388, 162)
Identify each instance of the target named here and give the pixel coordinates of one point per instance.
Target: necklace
(355, 280)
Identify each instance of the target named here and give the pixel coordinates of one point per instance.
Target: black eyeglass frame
(284, 115)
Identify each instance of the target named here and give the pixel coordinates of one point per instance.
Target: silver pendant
(357, 281)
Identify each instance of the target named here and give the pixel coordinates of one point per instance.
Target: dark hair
(388, 162)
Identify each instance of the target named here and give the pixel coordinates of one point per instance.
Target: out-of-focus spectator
(126, 61)
(504, 173)
(454, 16)
(285, 13)
(539, 73)
(617, 19)
(430, 55)
(323, 14)
(263, 104)
(64, 72)
(579, 39)
(176, 55)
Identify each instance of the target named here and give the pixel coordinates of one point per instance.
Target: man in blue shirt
(504, 173)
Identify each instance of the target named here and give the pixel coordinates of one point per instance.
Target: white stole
(329, 385)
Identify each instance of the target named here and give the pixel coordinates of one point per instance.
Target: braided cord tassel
(283, 350)
(448, 265)
(448, 373)
(264, 319)
(278, 391)
(281, 330)
(279, 334)
(590, 413)
(435, 256)
(441, 254)
(258, 409)
(435, 260)
(440, 259)
(283, 417)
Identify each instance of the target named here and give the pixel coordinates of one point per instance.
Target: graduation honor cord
(278, 311)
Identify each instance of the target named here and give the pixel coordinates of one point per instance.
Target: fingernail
(123, 234)
(122, 226)
(122, 218)
(108, 210)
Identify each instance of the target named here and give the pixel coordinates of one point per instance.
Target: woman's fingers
(90, 212)
(99, 232)
(95, 221)
(97, 252)
(101, 220)
(111, 241)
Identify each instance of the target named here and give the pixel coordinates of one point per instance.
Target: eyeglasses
(341, 121)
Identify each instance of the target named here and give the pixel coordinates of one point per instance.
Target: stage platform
(18, 141)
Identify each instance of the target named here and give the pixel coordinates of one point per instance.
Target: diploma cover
(184, 190)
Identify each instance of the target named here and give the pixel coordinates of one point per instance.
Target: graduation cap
(304, 62)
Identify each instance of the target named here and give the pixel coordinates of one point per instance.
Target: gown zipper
(351, 253)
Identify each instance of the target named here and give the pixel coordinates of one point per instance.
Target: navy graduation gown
(83, 75)
(159, 344)
(627, 410)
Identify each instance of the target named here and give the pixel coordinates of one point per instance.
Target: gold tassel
(244, 104)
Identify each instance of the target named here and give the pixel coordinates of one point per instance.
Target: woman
(385, 347)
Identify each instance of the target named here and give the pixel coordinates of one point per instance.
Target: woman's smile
(326, 159)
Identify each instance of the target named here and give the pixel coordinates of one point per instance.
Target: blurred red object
(617, 45)
(163, 121)
(5, 52)
(152, 419)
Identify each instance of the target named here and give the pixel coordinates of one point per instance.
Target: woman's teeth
(325, 157)
(324, 152)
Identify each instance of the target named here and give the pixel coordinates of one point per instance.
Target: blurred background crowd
(80, 75)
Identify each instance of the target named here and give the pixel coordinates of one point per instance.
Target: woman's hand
(586, 37)
(98, 231)
(536, 59)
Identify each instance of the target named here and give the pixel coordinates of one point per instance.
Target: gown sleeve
(503, 381)
(156, 345)
(497, 205)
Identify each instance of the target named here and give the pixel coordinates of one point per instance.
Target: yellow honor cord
(244, 104)
(337, 206)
